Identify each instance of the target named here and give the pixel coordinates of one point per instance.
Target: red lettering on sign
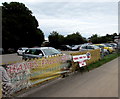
(88, 56)
(82, 63)
(25, 66)
(76, 58)
(35, 64)
(80, 57)
(29, 65)
(19, 68)
(14, 68)
(84, 56)
(9, 68)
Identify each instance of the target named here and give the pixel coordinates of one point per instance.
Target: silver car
(85, 47)
(40, 52)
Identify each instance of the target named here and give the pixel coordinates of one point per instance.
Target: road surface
(100, 82)
(9, 58)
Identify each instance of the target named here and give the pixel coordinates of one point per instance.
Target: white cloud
(86, 16)
(65, 27)
(70, 0)
(39, 1)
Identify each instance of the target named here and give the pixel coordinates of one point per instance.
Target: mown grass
(103, 61)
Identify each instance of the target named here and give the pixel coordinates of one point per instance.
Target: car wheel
(108, 51)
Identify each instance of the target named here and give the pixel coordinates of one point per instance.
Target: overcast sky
(68, 16)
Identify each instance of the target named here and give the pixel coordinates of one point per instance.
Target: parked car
(11, 50)
(21, 50)
(65, 47)
(109, 48)
(114, 45)
(85, 47)
(75, 48)
(40, 52)
(119, 46)
(103, 50)
(33, 53)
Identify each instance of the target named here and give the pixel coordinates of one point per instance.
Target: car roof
(100, 44)
(24, 47)
(42, 48)
(88, 45)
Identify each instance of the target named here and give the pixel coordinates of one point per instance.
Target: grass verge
(103, 61)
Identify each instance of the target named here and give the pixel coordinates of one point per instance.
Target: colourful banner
(26, 74)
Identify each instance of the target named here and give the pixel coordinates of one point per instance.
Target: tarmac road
(100, 82)
(8, 58)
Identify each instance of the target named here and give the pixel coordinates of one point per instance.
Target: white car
(21, 50)
(114, 45)
(75, 47)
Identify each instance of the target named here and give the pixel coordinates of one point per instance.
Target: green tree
(74, 39)
(102, 39)
(56, 39)
(20, 27)
(95, 39)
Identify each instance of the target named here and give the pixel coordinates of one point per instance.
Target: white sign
(82, 63)
(81, 59)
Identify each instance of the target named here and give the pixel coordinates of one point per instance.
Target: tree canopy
(56, 39)
(102, 39)
(19, 26)
(75, 39)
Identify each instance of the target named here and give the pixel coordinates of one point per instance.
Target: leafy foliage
(19, 26)
(102, 39)
(56, 39)
(74, 39)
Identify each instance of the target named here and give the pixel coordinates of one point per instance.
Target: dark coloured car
(11, 50)
(65, 47)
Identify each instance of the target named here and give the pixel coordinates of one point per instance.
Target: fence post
(0, 84)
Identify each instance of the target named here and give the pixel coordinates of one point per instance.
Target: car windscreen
(101, 46)
(33, 51)
(51, 51)
(90, 47)
(108, 45)
(104, 45)
(96, 47)
(30, 51)
(24, 48)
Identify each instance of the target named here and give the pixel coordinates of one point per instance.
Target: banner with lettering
(25, 74)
